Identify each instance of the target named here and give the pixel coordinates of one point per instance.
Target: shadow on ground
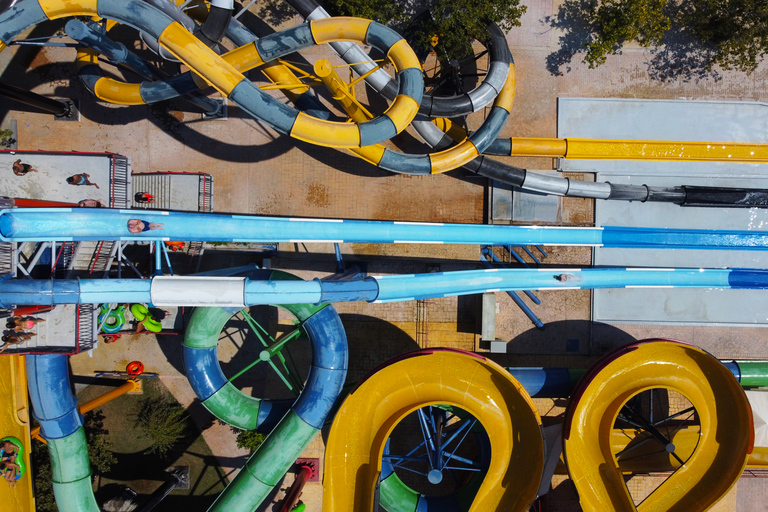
(144, 472)
(679, 57)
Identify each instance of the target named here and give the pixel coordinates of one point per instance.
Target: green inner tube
(141, 313)
(19, 458)
(115, 319)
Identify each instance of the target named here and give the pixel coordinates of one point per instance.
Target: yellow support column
(340, 91)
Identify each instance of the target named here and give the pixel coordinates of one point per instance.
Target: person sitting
(8, 450)
(139, 226)
(19, 324)
(90, 203)
(11, 472)
(20, 169)
(81, 179)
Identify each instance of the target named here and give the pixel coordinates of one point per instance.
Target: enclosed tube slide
(229, 80)
(116, 91)
(55, 407)
(428, 377)
(722, 408)
(68, 224)
(240, 291)
(433, 106)
(571, 148)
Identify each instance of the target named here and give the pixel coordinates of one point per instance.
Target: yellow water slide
(14, 422)
(429, 377)
(714, 454)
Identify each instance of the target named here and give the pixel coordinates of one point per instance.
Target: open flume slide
(429, 377)
(14, 422)
(716, 460)
(67, 224)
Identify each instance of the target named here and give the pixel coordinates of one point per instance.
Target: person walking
(81, 179)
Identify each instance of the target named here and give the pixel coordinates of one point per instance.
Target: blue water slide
(67, 224)
(306, 416)
(231, 292)
(55, 407)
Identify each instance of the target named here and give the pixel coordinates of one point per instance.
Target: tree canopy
(619, 21)
(733, 33)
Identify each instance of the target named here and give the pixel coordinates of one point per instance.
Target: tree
(164, 422)
(249, 439)
(619, 21)
(449, 26)
(731, 33)
(736, 29)
(99, 447)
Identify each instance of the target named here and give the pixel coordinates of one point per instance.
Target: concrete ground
(261, 172)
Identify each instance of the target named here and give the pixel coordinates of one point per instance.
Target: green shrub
(164, 422)
(250, 439)
(99, 447)
(6, 139)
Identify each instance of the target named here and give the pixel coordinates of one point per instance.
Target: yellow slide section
(14, 421)
(717, 459)
(429, 377)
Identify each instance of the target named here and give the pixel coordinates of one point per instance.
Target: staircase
(86, 326)
(7, 264)
(120, 184)
(92, 257)
(158, 185)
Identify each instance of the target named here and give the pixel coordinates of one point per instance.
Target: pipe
(160, 494)
(55, 107)
(294, 493)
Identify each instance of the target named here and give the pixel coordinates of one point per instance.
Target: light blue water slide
(240, 292)
(68, 224)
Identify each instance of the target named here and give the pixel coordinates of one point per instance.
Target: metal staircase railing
(120, 186)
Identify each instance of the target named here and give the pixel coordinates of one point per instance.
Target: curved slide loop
(228, 78)
(429, 377)
(723, 411)
(201, 363)
(437, 106)
(296, 429)
(456, 156)
(147, 92)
